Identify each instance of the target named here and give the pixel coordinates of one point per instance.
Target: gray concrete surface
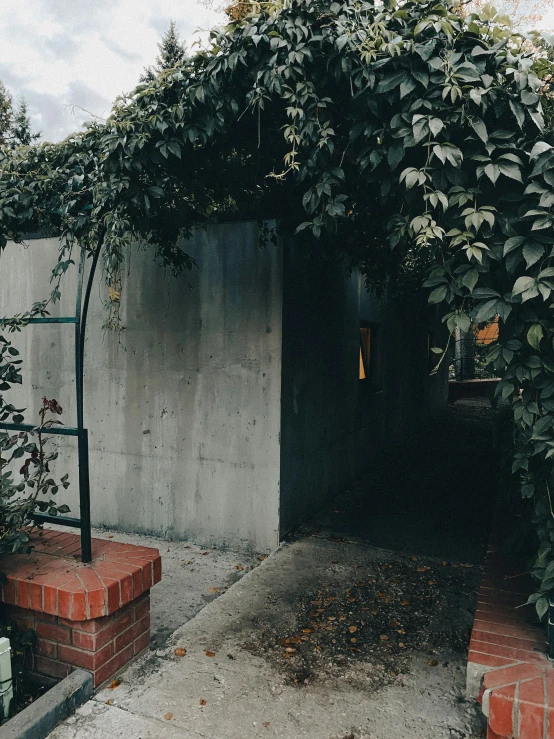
(183, 408)
(43, 715)
(233, 682)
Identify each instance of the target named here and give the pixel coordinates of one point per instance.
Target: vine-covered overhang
(401, 134)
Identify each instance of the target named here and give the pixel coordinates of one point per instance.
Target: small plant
(21, 498)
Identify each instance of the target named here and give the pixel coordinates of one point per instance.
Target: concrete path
(234, 683)
(357, 629)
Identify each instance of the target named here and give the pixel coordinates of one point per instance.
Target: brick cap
(53, 580)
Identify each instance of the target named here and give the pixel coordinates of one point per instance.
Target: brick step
(508, 668)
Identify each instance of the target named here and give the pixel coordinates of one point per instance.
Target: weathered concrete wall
(333, 423)
(184, 409)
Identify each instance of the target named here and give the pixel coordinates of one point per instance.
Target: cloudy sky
(65, 53)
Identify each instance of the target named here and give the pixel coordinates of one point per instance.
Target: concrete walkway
(234, 682)
(358, 629)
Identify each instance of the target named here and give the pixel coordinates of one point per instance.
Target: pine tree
(21, 126)
(6, 113)
(172, 52)
(15, 124)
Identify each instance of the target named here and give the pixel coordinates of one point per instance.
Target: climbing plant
(410, 137)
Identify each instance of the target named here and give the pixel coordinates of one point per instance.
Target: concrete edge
(41, 717)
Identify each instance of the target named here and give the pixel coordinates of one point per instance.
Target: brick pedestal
(94, 616)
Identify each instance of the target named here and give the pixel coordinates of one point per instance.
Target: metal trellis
(79, 320)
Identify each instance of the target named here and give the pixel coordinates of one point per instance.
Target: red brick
(112, 666)
(35, 593)
(510, 675)
(508, 641)
(523, 631)
(50, 599)
(23, 597)
(516, 655)
(531, 721)
(532, 691)
(86, 660)
(130, 634)
(47, 648)
(142, 606)
(79, 606)
(141, 643)
(47, 618)
(488, 660)
(54, 632)
(501, 709)
(51, 667)
(24, 622)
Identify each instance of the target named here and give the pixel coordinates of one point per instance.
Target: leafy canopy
(400, 133)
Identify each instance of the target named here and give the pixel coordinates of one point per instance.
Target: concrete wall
(184, 409)
(333, 424)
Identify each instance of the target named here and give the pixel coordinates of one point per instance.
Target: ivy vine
(410, 138)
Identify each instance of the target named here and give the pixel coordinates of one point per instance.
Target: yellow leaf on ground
(180, 652)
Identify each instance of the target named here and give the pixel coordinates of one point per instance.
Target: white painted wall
(183, 410)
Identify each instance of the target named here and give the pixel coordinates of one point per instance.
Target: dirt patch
(363, 624)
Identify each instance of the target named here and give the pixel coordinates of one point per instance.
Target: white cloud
(85, 53)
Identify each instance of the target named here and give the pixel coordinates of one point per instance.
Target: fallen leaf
(423, 569)
(180, 652)
(114, 684)
(266, 724)
(394, 623)
(239, 568)
(209, 654)
(331, 618)
(305, 638)
(286, 656)
(432, 663)
(204, 553)
(110, 537)
(213, 590)
(404, 602)
(353, 640)
(401, 631)
(306, 631)
(168, 716)
(261, 560)
(290, 649)
(318, 648)
(203, 702)
(352, 629)
(431, 582)
(342, 618)
(351, 600)
(109, 702)
(401, 645)
(384, 637)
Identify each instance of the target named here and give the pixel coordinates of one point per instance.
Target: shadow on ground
(433, 496)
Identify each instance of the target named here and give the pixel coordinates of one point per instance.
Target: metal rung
(63, 430)
(63, 319)
(61, 520)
